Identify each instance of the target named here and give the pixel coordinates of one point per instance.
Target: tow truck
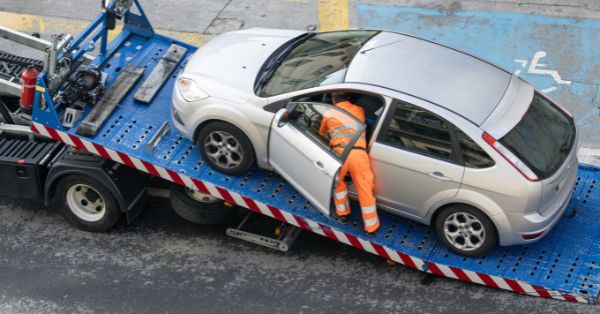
(118, 94)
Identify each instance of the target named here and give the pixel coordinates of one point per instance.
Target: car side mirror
(283, 115)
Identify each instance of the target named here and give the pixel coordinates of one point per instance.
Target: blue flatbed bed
(564, 265)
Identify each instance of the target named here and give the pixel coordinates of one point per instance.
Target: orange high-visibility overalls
(357, 163)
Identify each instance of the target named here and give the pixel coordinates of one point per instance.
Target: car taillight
(510, 157)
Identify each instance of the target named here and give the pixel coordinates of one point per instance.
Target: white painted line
(289, 218)
(42, 130)
(263, 209)
(447, 271)
(188, 182)
(367, 246)
(163, 173)
(341, 236)
(502, 284)
(89, 147)
(113, 155)
(65, 138)
(138, 164)
(238, 199)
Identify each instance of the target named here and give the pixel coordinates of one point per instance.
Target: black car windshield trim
(268, 68)
(310, 60)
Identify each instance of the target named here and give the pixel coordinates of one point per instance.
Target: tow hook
(570, 214)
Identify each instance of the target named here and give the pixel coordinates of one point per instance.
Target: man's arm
(323, 128)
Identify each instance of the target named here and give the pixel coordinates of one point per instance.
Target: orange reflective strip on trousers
(370, 218)
(342, 204)
(359, 167)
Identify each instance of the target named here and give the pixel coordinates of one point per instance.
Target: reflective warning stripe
(369, 216)
(373, 227)
(344, 135)
(369, 209)
(341, 195)
(324, 230)
(371, 222)
(339, 129)
(342, 209)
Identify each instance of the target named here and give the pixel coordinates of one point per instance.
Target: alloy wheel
(223, 149)
(464, 231)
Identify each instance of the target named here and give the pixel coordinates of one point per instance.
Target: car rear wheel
(198, 207)
(465, 230)
(226, 148)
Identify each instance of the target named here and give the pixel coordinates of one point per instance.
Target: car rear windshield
(318, 60)
(543, 138)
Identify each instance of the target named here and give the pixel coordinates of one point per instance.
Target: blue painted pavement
(565, 52)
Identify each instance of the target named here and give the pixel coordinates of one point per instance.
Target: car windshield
(543, 138)
(318, 60)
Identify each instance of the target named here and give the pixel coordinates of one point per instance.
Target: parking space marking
(558, 55)
(537, 68)
(333, 15)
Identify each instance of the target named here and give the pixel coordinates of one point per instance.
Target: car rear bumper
(531, 227)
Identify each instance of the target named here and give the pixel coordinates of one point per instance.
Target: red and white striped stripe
(321, 229)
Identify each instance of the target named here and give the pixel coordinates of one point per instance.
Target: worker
(341, 132)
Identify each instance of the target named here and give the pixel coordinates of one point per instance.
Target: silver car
(455, 142)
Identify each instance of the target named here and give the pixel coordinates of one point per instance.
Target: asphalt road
(164, 264)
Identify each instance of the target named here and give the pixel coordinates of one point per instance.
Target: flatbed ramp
(564, 265)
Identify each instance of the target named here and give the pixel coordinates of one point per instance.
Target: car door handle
(319, 165)
(439, 176)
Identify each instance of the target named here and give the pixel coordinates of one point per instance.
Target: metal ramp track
(564, 265)
(12, 66)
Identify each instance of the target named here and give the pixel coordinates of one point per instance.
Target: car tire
(86, 203)
(199, 208)
(465, 230)
(226, 148)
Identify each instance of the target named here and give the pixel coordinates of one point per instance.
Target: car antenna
(365, 51)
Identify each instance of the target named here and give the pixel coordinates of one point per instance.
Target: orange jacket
(340, 134)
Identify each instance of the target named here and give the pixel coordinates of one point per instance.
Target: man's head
(340, 96)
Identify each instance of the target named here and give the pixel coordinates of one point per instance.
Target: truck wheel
(465, 230)
(226, 148)
(199, 208)
(87, 204)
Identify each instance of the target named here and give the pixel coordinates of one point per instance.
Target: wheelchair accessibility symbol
(537, 68)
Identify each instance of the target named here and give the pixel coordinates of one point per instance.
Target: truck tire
(465, 230)
(199, 208)
(226, 148)
(86, 203)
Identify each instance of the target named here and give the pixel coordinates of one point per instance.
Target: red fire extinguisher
(28, 78)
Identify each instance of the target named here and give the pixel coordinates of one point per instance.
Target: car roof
(454, 80)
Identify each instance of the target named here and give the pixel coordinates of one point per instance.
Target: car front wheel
(465, 230)
(226, 148)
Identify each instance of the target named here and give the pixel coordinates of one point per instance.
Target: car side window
(418, 130)
(473, 155)
(317, 121)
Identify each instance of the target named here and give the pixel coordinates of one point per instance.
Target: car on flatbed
(455, 142)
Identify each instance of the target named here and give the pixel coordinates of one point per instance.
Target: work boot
(344, 220)
(373, 233)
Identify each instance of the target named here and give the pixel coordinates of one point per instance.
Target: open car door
(303, 156)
